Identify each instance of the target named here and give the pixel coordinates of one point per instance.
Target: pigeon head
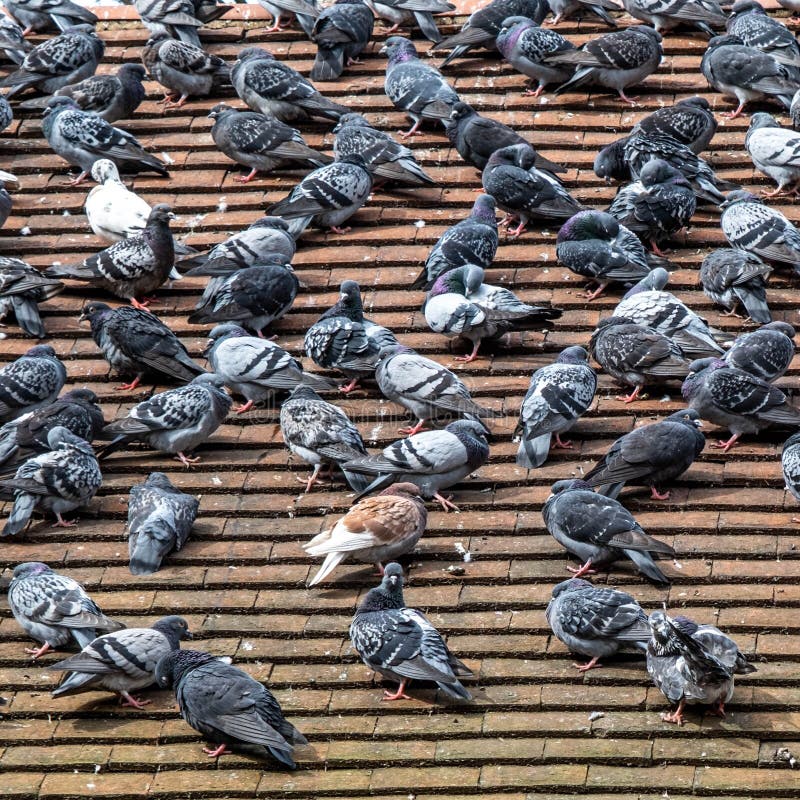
(40, 351)
(350, 304)
(402, 490)
(510, 31)
(699, 370)
(353, 120)
(740, 196)
(688, 417)
(135, 71)
(393, 350)
(279, 223)
(28, 569)
(225, 331)
(484, 208)
(696, 102)
(303, 392)
(453, 281)
(473, 435)
(687, 626)
(94, 312)
(388, 595)
(567, 486)
(722, 41)
(81, 396)
(504, 156)
(174, 628)
(160, 215)
(611, 322)
(84, 28)
(159, 480)
(746, 7)
(655, 281)
(158, 36)
(221, 110)
(255, 54)
(570, 585)
(573, 355)
(462, 111)
(209, 380)
(105, 170)
(587, 225)
(173, 666)
(781, 327)
(762, 120)
(611, 164)
(58, 104)
(657, 171)
(666, 638)
(398, 49)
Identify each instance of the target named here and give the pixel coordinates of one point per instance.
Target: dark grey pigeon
(775, 152)
(227, 706)
(341, 32)
(123, 661)
(409, 12)
(751, 23)
(300, 10)
(54, 609)
(735, 399)
(689, 121)
(320, 433)
(432, 460)
(596, 622)
(160, 518)
(272, 87)
(22, 288)
(416, 88)
(12, 39)
(766, 352)
(401, 644)
(665, 15)
(473, 240)
(46, 15)
(600, 531)
(178, 18)
(735, 278)
(611, 164)
(261, 142)
(651, 455)
(256, 367)
(559, 394)
(60, 480)
(135, 342)
(790, 463)
(563, 9)
(31, 382)
(176, 421)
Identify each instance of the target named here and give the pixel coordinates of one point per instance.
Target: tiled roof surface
(240, 581)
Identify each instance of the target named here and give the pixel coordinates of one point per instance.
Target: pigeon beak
(187, 635)
(82, 317)
(383, 51)
(172, 215)
(698, 423)
(207, 348)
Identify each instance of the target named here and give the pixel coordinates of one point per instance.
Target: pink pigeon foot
(410, 431)
(586, 569)
(656, 495)
(340, 231)
(631, 101)
(412, 131)
(222, 750)
(676, 716)
(348, 387)
(35, 652)
(128, 387)
(64, 523)
(187, 461)
(629, 398)
(446, 503)
(472, 356)
(244, 407)
(77, 181)
(132, 702)
(246, 178)
(597, 292)
(398, 695)
(561, 444)
(733, 114)
(726, 445)
(589, 665)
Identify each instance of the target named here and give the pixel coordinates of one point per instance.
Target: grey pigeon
(184, 70)
(341, 32)
(255, 368)
(401, 644)
(6, 118)
(651, 455)
(558, 395)
(385, 157)
(122, 661)
(31, 382)
(160, 518)
(6, 203)
(60, 61)
(790, 464)
(54, 609)
(600, 531)
(12, 39)
(717, 643)
(321, 434)
(136, 341)
(45, 15)
(408, 12)
(175, 421)
(227, 706)
(735, 277)
(261, 142)
(60, 480)
(272, 87)
(563, 9)
(775, 152)
(22, 288)
(689, 121)
(473, 240)
(177, 18)
(460, 304)
(665, 15)
(432, 460)
(594, 621)
(303, 11)
(81, 138)
(523, 191)
(766, 353)
(615, 60)
(594, 245)
(735, 399)
(751, 23)
(424, 387)
(416, 88)
(209, 10)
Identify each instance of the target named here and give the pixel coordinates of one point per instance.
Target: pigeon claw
(128, 387)
(132, 702)
(726, 445)
(472, 356)
(35, 652)
(64, 523)
(586, 569)
(222, 749)
(340, 231)
(561, 444)
(675, 717)
(410, 431)
(244, 407)
(398, 695)
(656, 495)
(348, 387)
(630, 398)
(446, 503)
(588, 665)
(597, 292)
(187, 461)
(246, 178)
(718, 709)
(631, 101)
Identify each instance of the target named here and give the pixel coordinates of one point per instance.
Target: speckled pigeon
(790, 464)
(45, 15)
(401, 644)
(178, 18)
(766, 352)
(408, 12)
(31, 382)
(565, 9)
(22, 288)
(664, 15)
(558, 395)
(775, 152)
(303, 11)
(735, 277)
(717, 643)
(12, 38)
(341, 32)
(6, 118)
(751, 23)
(689, 121)
(611, 163)
(123, 661)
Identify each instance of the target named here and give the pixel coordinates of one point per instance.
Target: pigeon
(177, 18)
(717, 643)
(432, 460)
(635, 354)
(175, 421)
(523, 191)
(689, 121)
(656, 206)
(401, 644)
(6, 203)
(408, 12)
(376, 529)
(416, 88)
(12, 39)
(735, 399)
(114, 212)
(766, 353)
(160, 518)
(647, 304)
(274, 88)
(261, 142)
(736, 70)
(735, 277)
(424, 387)
(122, 661)
(525, 45)
(758, 30)
(558, 395)
(594, 621)
(136, 341)
(473, 240)
(775, 152)
(60, 480)
(184, 70)
(651, 455)
(790, 464)
(81, 138)
(600, 530)
(6, 118)
(328, 196)
(460, 304)
(226, 705)
(304, 12)
(256, 368)
(791, 5)
(611, 163)
(341, 32)
(665, 15)
(46, 15)
(615, 60)
(564, 9)
(209, 10)
(31, 382)
(22, 288)
(594, 245)
(65, 59)
(385, 157)
(758, 229)
(321, 434)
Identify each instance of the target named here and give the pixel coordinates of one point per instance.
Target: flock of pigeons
(48, 462)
